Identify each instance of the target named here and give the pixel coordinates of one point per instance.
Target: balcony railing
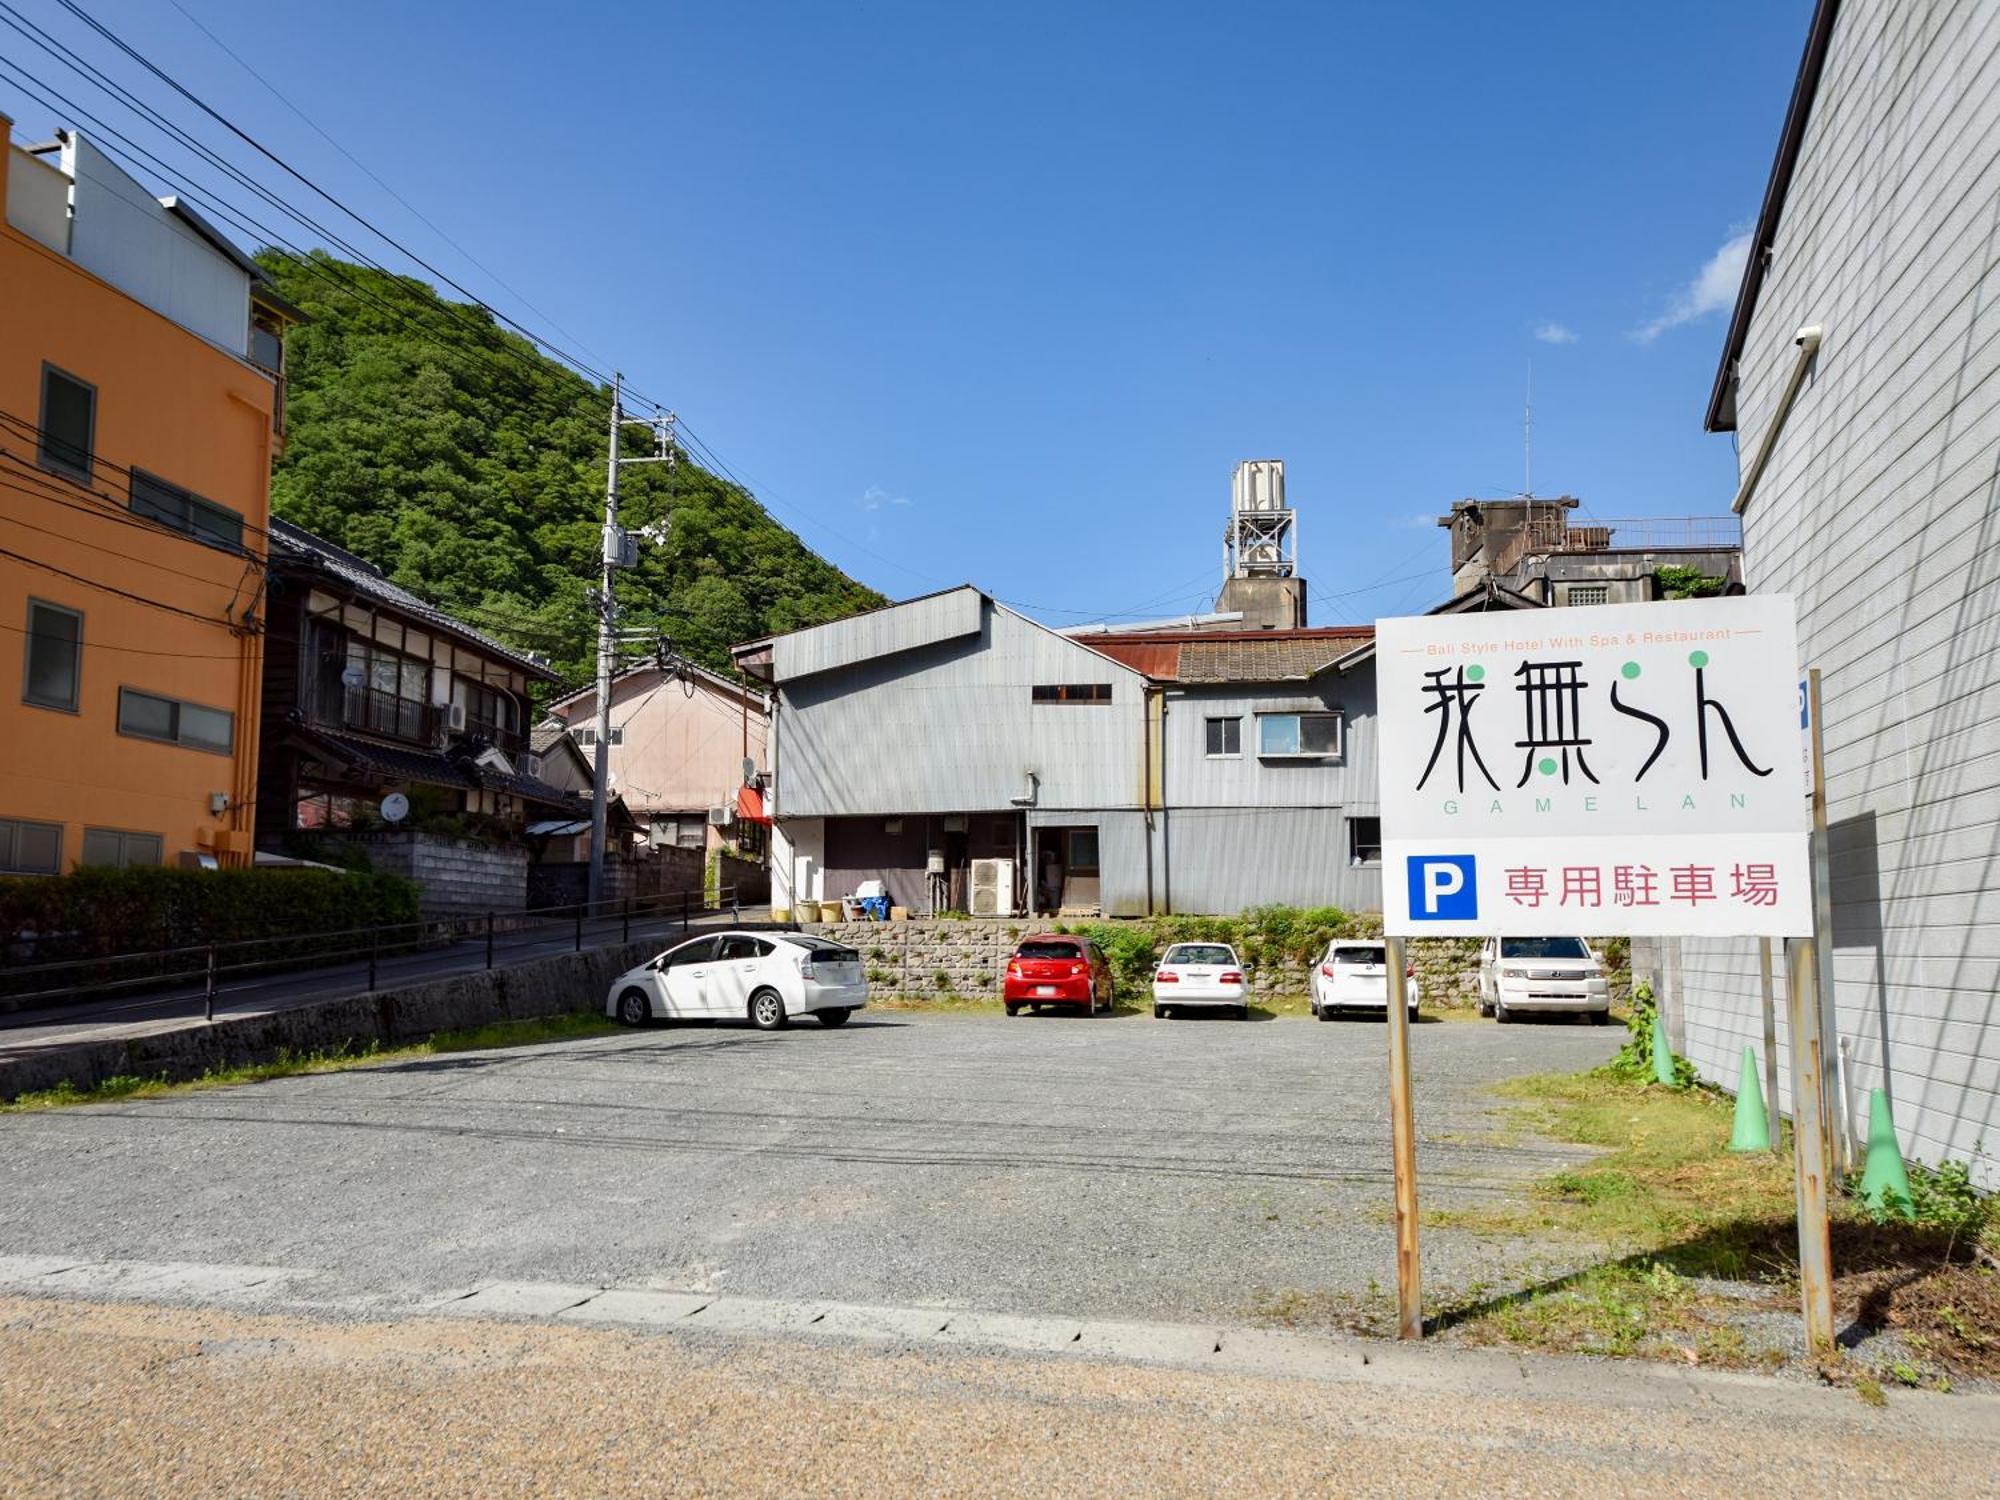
(375, 712)
(1553, 533)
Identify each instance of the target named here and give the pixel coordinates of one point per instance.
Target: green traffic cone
(1753, 1131)
(1663, 1055)
(1885, 1182)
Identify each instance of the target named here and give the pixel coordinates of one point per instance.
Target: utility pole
(607, 626)
(619, 551)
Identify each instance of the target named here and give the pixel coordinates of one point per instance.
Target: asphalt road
(128, 1011)
(1109, 1167)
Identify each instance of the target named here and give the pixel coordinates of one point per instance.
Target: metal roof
(1219, 656)
(337, 562)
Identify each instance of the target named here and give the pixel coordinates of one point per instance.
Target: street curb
(1473, 1374)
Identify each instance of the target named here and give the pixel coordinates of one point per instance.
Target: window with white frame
(1225, 737)
(1588, 593)
(1298, 736)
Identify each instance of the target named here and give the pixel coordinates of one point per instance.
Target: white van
(1548, 975)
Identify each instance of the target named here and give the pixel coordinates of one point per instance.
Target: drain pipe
(1807, 339)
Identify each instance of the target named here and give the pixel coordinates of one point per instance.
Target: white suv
(764, 978)
(1551, 975)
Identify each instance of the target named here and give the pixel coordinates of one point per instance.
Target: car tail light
(1231, 976)
(1326, 970)
(1076, 969)
(1013, 968)
(1166, 976)
(805, 968)
(1409, 971)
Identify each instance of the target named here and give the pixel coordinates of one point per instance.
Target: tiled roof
(435, 768)
(301, 545)
(1234, 656)
(545, 737)
(430, 767)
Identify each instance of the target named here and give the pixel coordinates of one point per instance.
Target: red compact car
(1060, 970)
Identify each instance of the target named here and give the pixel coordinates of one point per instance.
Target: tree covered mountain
(470, 468)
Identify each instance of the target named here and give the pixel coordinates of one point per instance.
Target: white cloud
(875, 497)
(1555, 333)
(1713, 289)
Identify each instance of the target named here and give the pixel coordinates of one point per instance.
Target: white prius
(765, 978)
(1200, 976)
(1353, 974)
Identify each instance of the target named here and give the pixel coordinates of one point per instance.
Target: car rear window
(1357, 955)
(1543, 947)
(1199, 953)
(1050, 949)
(825, 950)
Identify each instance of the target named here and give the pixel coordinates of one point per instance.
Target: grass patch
(332, 1060)
(1696, 1235)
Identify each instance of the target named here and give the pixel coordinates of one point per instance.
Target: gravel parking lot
(1115, 1167)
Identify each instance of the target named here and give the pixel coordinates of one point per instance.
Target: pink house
(680, 740)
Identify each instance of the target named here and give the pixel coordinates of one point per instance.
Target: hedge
(1261, 935)
(96, 913)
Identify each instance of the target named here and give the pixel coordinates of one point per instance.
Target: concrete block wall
(457, 875)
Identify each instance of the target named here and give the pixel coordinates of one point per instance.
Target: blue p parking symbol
(1442, 888)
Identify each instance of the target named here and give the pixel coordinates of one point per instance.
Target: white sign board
(1621, 768)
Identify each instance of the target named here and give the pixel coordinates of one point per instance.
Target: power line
(364, 168)
(105, 588)
(199, 103)
(91, 645)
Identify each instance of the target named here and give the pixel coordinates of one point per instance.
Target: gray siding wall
(1880, 512)
(1224, 859)
(1195, 780)
(950, 727)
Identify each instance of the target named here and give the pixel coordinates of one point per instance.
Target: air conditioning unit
(993, 887)
(531, 765)
(721, 816)
(455, 717)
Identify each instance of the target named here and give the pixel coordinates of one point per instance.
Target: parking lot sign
(1610, 769)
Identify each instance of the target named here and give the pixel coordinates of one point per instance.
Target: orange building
(140, 382)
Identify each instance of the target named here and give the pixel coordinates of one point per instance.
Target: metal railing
(211, 966)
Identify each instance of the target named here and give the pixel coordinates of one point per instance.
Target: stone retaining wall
(928, 960)
(559, 985)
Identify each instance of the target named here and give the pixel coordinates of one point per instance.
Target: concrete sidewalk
(135, 1398)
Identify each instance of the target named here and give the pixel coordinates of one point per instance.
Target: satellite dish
(395, 807)
(353, 677)
(749, 770)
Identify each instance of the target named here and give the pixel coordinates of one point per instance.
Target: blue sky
(1001, 293)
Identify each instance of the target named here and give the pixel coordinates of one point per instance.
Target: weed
(941, 982)
(1869, 1389)
(1906, 1373)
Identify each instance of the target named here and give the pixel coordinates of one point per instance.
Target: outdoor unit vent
(993, 887)
(721, 816)
(531, 765)
(455, 716)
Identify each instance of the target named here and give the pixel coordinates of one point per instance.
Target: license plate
(1045, 989)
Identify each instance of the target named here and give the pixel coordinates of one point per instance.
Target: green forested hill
(470, 469)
